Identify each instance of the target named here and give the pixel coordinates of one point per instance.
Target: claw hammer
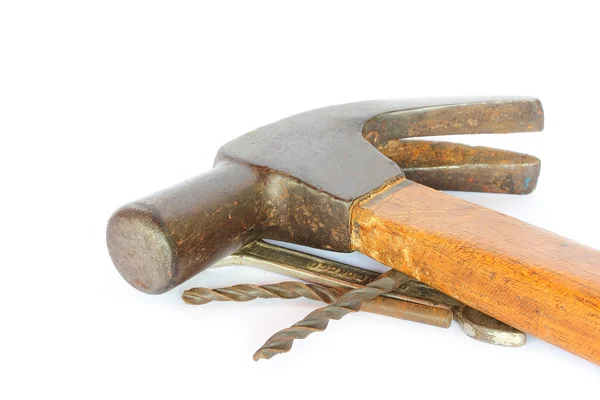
(330, 178)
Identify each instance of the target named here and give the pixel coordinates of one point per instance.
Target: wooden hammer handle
(525, 276)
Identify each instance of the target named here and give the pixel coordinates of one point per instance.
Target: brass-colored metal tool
(386, 306)
(312, 268)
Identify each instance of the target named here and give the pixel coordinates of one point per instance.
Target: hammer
(331, 178)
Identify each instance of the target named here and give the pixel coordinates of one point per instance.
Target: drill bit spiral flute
(341, 178)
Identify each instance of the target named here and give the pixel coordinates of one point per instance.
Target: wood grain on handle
(525, 276)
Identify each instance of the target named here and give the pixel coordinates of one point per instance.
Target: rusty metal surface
(454, 166)
(294, 181)
(317, 321)
(435, 316)
(167, 237)
(327, 272)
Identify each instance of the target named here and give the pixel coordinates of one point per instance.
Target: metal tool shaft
(317, 321)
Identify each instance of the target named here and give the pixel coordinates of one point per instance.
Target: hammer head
(295, 180)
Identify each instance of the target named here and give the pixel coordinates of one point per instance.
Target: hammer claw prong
(500, 115)
(452, 166)
(455, 166)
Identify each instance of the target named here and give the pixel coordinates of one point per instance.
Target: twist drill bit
(317, 321)
(283, 290)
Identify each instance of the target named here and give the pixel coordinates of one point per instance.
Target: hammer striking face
(331, 178)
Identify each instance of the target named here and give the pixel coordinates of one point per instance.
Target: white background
(104, 102)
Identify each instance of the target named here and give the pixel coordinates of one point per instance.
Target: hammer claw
(451, 166)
